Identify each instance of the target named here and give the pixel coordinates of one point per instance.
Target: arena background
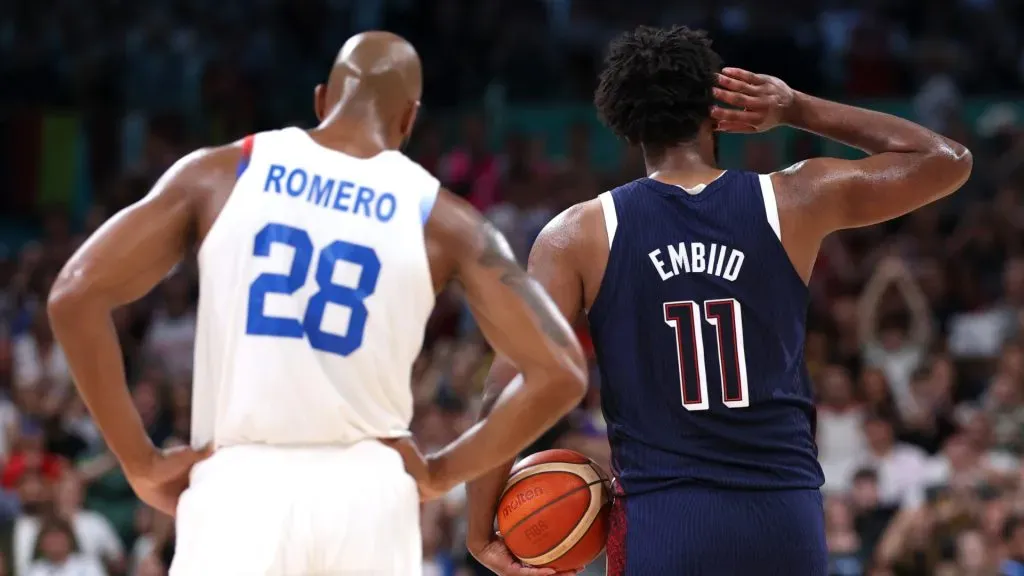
(914, 329)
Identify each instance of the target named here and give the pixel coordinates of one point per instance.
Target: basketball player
(694, 281)
(320, 253)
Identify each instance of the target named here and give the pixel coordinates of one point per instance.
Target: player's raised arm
(120, 263)
(521, 322)
(908, 165)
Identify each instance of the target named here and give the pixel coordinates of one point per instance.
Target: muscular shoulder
(198, 185)
(198, 172)
(799, 184)
(573, 249)
(208, 168)
(577, 229)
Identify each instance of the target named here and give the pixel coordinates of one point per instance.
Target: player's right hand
(762, 102)
(160, 480)
(497, 558)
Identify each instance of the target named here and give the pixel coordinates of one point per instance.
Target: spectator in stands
(56, 553)
(1013, 537)
(38, 358)
(870, 517)
(94, 534)
(171, 337)
(1003, 404)
(928, 421)
(844, 544)
(471, 170)
(894, 348)
(875, 394)
(840, 438)
(900, 466)
(30, 457)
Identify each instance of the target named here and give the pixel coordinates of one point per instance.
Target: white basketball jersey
(314, 293)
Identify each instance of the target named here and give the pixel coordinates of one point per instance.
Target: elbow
(957, 162)
(570, 385)
(556, 388)
(963, 161)
(66, 299)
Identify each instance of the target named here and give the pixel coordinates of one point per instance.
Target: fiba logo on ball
(536, 530)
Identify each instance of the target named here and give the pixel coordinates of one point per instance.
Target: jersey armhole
(611, 218)
(771, 206)
(427, 204)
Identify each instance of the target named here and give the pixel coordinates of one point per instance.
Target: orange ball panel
(533, 493)
(588, 548)
(540, 532)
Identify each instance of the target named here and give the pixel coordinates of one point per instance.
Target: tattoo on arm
(496, 254)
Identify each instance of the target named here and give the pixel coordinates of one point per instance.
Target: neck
(687, 158)
(355, 127)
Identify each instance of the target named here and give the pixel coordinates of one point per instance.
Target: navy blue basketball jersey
(699, 332)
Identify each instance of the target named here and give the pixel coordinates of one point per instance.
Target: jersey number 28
(727, 318)
(258, 323)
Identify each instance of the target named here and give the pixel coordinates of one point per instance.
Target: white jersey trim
(771, 206)
(427, 204)
(611, 218)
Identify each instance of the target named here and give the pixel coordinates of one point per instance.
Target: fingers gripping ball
(554, 510)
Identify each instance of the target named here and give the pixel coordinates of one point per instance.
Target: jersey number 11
(685, 318)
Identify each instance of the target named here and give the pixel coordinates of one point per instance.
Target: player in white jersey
(320, 253)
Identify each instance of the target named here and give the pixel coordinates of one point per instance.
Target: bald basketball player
(694, 283)
(320, 253)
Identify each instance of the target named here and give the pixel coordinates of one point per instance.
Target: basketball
(554, 510)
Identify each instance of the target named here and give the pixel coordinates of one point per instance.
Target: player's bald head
(378, 70)
(381, 61)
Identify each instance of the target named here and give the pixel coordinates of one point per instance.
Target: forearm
(86, 334)
(484, 492)
(525, 409)
(867, 130)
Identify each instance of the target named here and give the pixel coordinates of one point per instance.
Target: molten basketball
(554, 510)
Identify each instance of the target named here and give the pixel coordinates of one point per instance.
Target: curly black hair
(655, 89)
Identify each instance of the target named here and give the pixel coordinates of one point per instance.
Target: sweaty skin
(908, 166)
(368, 106)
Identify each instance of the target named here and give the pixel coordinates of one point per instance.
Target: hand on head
(761, 102)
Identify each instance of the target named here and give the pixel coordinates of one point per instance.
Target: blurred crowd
(210, 60)
(916, 330)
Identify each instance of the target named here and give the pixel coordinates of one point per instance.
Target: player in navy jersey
(694, 282)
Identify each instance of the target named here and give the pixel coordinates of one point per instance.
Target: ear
(409, 119)
(319, 101)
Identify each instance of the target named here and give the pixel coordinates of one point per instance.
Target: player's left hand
(161, 479)
(763, 101)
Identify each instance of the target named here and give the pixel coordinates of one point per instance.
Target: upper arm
(832, 194)
(516, 315)
(129, 255)
(551, 264)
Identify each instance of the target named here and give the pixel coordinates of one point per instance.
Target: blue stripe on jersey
(243, 162)
(427, 205)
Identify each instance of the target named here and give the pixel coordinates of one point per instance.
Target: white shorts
(277, 511)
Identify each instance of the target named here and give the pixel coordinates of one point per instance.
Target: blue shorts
(701, 531)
